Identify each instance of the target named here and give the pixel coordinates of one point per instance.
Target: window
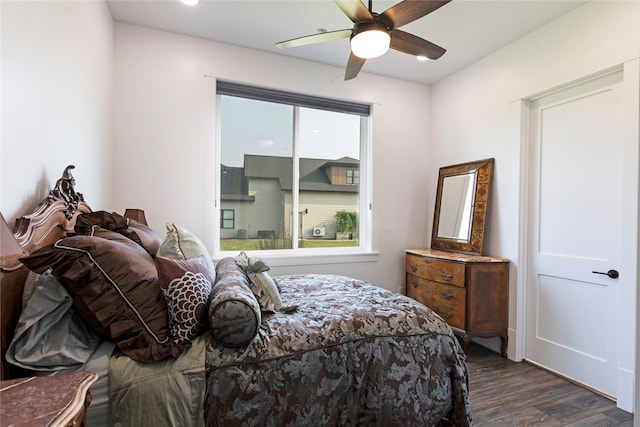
(290, 168)
(227, 218)
(353, 176)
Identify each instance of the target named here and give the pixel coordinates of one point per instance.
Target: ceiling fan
(373, 34)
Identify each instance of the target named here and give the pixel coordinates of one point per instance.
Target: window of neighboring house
(290, 168)
(353, 176)
(227, 219)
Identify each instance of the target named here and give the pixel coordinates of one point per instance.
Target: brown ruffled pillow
(115, 288)
(234, 312)
(140, 233)
(186, 285)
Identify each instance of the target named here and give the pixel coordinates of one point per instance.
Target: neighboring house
(256, 200)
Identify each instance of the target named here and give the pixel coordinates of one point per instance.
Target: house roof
(312, 172)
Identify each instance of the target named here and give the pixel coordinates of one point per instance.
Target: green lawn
(254, 244)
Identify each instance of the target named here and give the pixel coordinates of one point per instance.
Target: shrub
(346, 221)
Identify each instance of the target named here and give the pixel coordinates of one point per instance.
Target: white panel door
(574, 234)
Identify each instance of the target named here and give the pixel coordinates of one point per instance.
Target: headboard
(48, 222)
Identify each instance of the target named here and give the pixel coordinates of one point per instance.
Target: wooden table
(59, 400)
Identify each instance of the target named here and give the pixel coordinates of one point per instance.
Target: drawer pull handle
(414, 283)
(446, 276)
(446, 314)
(413, 268)
(446, 294)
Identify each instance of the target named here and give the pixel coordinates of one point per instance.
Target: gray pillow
(50, 336)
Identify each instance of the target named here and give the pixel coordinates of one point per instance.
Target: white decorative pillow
(266, 291)
(180, 243)
(262, 285)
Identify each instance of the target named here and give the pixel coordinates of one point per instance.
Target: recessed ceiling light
(190, 2)
(422, 58)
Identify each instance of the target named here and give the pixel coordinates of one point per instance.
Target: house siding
(320, 211)
(265, 213)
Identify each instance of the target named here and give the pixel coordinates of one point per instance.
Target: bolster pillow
(234, 312)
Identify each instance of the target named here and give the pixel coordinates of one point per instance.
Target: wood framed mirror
(462, 203)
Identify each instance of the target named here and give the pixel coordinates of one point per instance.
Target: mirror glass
(455, 206)
(462, 199)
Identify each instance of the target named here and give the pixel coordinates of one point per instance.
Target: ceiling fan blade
(414, 45)
(353, 66)
(315, 38)
(355, 10)
(410, 10)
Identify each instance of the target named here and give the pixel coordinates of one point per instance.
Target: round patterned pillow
(234, 312)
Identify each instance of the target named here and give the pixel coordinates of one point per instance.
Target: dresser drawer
(448, 272)
(446, 300)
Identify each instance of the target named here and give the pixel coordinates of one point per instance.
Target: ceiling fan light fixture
(422, 58)
(371, 42)
(372, 32)
(190, 2)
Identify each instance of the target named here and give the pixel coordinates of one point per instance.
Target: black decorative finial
(65, 191)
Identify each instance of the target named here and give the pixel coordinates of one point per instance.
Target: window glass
(353, 176)
(289, 176)
(227, 218)
(256, 170)
(329, 147)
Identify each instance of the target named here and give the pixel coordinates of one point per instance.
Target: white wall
(165, 129)
(474, 115)
(56, 98)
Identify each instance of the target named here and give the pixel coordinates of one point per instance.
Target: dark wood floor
(505, 393)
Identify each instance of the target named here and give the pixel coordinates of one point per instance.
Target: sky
(264, 128)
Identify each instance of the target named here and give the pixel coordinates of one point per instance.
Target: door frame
(629, 299)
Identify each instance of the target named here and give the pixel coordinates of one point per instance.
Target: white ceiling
(468, 29)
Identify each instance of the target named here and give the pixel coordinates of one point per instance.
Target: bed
(183, 341)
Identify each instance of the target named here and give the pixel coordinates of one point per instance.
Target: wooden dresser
(468, 291)
(51, 401)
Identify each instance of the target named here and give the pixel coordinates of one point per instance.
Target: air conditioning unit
(318, 231)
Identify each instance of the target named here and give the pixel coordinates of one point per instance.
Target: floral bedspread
(353, 354)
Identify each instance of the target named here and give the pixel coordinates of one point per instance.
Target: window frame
(361, 253)
(354, 177)
(223, 219)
